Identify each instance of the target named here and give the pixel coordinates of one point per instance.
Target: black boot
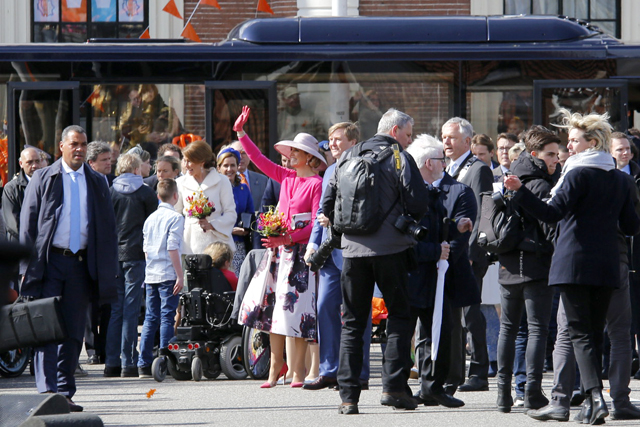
(584, 416)
(599, 410)
(505, 401)
(533, 396)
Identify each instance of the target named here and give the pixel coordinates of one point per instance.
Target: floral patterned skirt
(281, 297)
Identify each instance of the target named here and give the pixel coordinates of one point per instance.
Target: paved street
(124, 402)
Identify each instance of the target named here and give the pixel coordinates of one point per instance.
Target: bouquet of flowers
(199, 206)
(271, 223)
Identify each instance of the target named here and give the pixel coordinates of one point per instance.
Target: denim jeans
(122, 334)
(537, 297)
(161, 312)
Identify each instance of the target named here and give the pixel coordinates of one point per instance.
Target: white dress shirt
(61, 236)
(455, 164)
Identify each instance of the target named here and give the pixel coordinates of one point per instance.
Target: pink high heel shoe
(268, 384)
(296, 385)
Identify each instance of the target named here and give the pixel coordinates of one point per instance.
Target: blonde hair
(220, 253)
(514, 152)
(128, 163)
(596, 127)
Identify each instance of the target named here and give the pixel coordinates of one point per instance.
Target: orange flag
(190, 33)
(146, 34)
(263, 6)
(172, 9)
(213, 3)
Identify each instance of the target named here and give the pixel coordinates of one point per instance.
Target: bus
(502, 73)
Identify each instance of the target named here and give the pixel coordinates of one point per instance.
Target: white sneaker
(519, 401)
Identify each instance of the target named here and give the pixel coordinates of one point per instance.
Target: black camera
(319, 257)
(409, 226)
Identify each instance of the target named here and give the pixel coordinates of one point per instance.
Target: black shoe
(444, 399)
(398, 401)
(129, 372)
(599, 410)
(73, 407)
(549, 412)
(112, 371)
(474, 383)
(450, 389)
(505, 400)
(144, 372)
(348, 409)
(626, 412)
(422, 399)
(320, 383)
(577, 398)
(584, 416)
(364, 385)
(535, 399)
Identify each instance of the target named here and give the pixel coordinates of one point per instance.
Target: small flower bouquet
(271, 223)
(199, 206)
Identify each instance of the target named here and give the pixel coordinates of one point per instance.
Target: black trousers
(432, 374)
(537, 297)
(476, 326)
(586, 309)
(359, 275)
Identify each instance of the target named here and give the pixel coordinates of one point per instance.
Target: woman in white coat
(202, 177)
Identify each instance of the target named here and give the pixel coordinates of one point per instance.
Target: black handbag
(31, 323)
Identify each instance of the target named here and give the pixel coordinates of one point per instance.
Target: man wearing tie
(68, 219)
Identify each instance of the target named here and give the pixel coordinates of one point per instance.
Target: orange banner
(263, 6)
(146, 34)
(190, 33)
(172, 9)
(213, 3)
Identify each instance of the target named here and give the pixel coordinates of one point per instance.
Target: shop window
(76, 21)
(603, 13)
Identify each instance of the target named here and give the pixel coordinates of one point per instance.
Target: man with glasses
(447, 199)
(504, 144)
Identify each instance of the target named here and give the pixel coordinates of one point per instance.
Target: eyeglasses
(442, 159)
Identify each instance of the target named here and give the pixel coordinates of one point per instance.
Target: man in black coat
(465, 168)
(429, 156)
(67, 216)
(13, 195)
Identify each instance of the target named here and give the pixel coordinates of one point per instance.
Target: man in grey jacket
(383, 258)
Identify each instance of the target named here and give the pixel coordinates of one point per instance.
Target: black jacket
(520, 266)
(12, 199)
(131, 210)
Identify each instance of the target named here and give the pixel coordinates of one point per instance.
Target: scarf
(587, 159)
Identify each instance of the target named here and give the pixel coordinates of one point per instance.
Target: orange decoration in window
(4, 160)
(74, 10)
(184, 139)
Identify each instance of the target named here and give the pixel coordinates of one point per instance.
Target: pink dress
(293, 295)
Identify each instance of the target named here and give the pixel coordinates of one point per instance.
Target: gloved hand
(274, 242)
(242, 119)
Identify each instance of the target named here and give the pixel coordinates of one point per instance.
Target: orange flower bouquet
(272, 223)
(199, 206)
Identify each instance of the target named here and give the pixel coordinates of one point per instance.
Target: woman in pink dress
(294, 297)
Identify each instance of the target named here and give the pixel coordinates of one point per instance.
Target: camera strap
(397, 163)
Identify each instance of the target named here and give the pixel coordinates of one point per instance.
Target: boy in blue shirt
(163, 232)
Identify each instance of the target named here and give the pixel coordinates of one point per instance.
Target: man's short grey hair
(95, 148)
(72, 128)
(393, 118)
(463, 124)
(425, 147)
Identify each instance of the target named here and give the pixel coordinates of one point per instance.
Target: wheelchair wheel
(257, 353)
(159, 368)
(177, 373)
(14, 362)
(196, 369)
(231, 359)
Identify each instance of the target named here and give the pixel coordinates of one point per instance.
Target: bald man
(13, 195)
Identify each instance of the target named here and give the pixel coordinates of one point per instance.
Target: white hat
(304, 142)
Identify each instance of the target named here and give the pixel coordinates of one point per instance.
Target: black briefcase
(31, 324)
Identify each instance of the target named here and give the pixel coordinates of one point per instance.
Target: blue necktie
(74, 230)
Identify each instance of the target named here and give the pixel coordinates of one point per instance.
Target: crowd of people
(106, 231)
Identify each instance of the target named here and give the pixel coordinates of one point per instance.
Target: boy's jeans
(122, 334)
(161, 312)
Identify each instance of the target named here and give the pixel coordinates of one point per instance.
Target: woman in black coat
(591, 200)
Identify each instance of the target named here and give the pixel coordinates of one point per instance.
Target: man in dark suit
(465, 168)
(447, 199)
(99, 158)
(67, 217)
(504, 143)
(13, 194)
